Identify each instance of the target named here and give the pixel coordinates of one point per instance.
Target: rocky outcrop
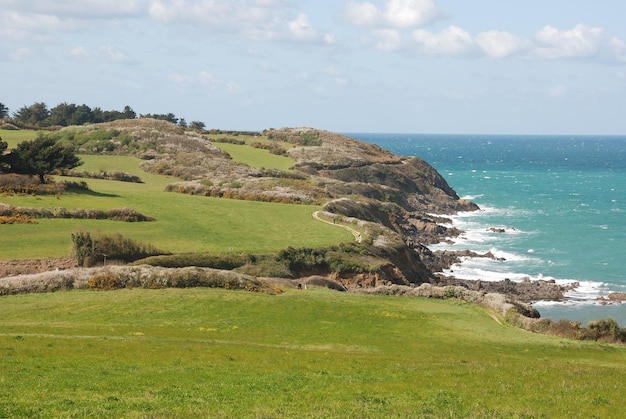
(523, 291)
(498, 302)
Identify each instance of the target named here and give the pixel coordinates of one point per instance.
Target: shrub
(105, 282)
(16, 219)
(607, 329)
(89, 251)
(24, 184)
(116, 214)
(204, 260)
(301, 259)
(267, 267)
(112, 175)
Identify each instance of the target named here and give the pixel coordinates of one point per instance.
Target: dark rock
(617, 296)
(523, 291)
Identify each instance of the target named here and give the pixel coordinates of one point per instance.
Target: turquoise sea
(560, 199)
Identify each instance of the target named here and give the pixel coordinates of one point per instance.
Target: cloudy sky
(413, 66)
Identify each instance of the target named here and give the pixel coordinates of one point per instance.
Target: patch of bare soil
(33, 266)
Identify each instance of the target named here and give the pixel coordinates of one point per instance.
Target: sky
(390, 66)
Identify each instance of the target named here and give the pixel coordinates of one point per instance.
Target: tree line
(38, 116)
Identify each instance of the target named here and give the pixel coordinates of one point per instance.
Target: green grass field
(183, 223)
(314, 353)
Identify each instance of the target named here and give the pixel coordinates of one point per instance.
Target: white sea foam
(478, 236)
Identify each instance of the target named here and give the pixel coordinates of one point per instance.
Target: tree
(170, 117)
(42, 156)
(129, 113)
(32, 115)
(199, 125)
(81, 115)
(61, 114)
(3, 159)
(4, 111)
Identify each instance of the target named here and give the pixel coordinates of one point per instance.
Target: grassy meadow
(310, 353)
(184, 223)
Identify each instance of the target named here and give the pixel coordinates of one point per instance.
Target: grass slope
(13, 137)
(256, 157)
(183, 223)
(219, 353)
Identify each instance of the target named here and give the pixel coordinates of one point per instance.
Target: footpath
(356, 234)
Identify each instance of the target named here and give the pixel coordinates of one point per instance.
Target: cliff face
(372, 184)
(358, 168)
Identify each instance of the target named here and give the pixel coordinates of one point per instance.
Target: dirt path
(356, 234)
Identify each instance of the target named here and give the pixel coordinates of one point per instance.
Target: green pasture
(184, 223)
(310, 353)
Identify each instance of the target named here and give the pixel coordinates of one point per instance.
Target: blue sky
(417, 66)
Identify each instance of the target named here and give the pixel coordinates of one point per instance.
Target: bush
(89, 251)
(301, 259)
(105, 282)
(204, 260)
(112, 175)
(24, 184)
(607, 329)
(16, 219)
(115, 214)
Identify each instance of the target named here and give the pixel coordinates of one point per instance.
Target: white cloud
(262, 20)
(394, 14)
(500, 44)
(410, 13)
(300, 29)
(80, 9)
(580, 41)
(617, 49)
(451, 41)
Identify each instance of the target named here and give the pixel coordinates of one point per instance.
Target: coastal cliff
(399, 203)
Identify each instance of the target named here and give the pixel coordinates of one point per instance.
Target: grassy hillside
(314, 353)
(256, 157)
(183, 223)
(13, 137)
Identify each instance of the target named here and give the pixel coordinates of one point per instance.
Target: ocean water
(561, 201)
